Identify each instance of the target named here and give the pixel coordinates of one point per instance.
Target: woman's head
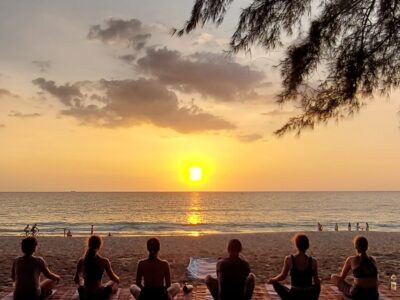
(301, 241)
(94, 243)
(28, 245)
(153, 246)
(234, 247)
(360, 244)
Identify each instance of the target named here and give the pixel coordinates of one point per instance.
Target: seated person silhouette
(26, 271)
(155, 274)
(365, 272)
(234, 282)
(89, 273)
(303, 269)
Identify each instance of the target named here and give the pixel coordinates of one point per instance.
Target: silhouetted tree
(355, 42)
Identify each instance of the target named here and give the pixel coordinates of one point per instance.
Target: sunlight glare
(195, 173)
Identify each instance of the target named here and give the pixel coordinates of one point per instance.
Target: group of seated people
(234, 280)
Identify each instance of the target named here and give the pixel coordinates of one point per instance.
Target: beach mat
(10, 296)
(200, 267)
(339, 293)
(112, 297)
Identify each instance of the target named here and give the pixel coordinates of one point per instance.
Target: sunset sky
(97, 95)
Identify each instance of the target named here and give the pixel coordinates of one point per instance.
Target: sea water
(196, 213)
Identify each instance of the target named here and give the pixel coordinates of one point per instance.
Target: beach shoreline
(264, 251)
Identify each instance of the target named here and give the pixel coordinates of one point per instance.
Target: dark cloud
(130, 33)
(125, 103)
(68, 94)
(249, 138)
(127, 58)
(42, 65)
(16, 114)
(212, 75)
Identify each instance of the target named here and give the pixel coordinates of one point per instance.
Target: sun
(195, 173)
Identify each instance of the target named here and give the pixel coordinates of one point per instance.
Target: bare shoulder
(104, 261)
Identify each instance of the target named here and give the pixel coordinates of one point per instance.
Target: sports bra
(366, 269)
(301, 278)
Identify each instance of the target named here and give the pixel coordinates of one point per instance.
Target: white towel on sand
(200, 267)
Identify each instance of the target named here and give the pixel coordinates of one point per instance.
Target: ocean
(133, 214)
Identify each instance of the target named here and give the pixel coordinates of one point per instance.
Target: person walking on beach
(336, 227)
(91, 230)
(26, 230)
(358, 226)
(349, 227)
(89, 273)
(26, 272)
(234, 282)
(153, 277)
(365, 273)
(366, 226)
(319, 226)
(303, 269)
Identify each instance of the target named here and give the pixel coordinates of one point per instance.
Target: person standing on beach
(156, 276)
(91, 230)
(234, 282)
(26, 230)
(89, 273)
(358, 226)
(303, 269)
(26, 272)
(349, 227)
(365, 273)
(366, 226)
(336, 227)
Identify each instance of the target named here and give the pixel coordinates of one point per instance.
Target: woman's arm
(284, 272)
(13, 272)
(167, 275)
(315, 271)
(50, 275)
(346, 268)
(139, 275)
(77, 277)
(109, 271)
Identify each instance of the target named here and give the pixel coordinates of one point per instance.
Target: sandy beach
(265, 253)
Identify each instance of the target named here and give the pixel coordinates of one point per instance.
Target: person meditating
(303, 269)
(26, 272)
(365, 272)
(155, 274)
(234, 282)
(89, 273)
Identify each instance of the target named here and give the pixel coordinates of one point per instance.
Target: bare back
(155, 273)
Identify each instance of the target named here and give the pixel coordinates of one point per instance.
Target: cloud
(212, 75)
(249, 138)
(277, 113)
(126, 103)
(43, 65)
(127, 58)
(68, 94)
(7, 93)
(207, 39)
(130, 33)
(17, 114)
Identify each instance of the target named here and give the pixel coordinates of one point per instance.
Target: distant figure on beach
(349, 227)
(153, 277)
(89, 273)
(319, 226)
(69, 233)
(65, 232)
(26, 272)
(336, 227)
(303, 269)
(109, 233)
(365, 273)
(91, 230)
(34, 230)
(358, 226)
(234, 282)
(26, 230)
(366, 226)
